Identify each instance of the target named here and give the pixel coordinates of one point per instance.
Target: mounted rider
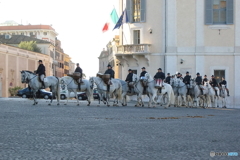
(224, 82)
(159, 78)
(204, 79)
(79, 70)
(179, 75)
(167, 80)
(198, 81)
(142, 77)
(214, 84)
(187, 80)
(129, 79)
(41, 73)
(111, 72)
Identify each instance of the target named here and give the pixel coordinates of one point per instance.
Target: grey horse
(34, 83)
(72, 86)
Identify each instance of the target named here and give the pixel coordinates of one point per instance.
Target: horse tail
(119, 92)
(172, 97)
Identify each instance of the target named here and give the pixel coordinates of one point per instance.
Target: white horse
(124, 93)
(174, 84)
(151, 90)
(115, 89)
(182, 92)
(72, 86)
(33, 81)
(200, 95)
(223, 95)
(211, 96)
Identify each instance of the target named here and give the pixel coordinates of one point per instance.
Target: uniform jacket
(204, 80)
(168, 79)
(79, 70)
(223, 82)
(129, 77)
(160, 75)
(187, 79)
(41, 70)
(198, 80)
(111, 72)
(143, 74)
(214, 82)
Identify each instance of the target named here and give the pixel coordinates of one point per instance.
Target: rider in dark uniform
(79, 70)
(224, 82)
(143, 75)
(143, 72)
(129, 79)
(167, 80)
(214, 84)
(186, 80)
(160, 75)
(41, 72)
(198, 81)
(204, 79)
(110, 71)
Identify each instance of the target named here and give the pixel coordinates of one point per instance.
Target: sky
(78, 23)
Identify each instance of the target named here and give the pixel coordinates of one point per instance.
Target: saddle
(158, 83)
(105, 78)
(76, 76)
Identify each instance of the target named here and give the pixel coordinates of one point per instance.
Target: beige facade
(13, 60)
(175, 36)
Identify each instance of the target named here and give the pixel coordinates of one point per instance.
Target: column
(200, 26)
(171, 26)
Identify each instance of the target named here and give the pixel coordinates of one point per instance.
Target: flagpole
(122, 24)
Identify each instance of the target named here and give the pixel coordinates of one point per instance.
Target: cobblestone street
(102, 133)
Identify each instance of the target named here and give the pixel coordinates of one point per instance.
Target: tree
(30, 45)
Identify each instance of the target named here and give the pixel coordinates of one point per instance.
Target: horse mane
(28, 72)
(150, 77)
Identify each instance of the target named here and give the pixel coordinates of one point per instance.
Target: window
(219, 74)
(134, 71)
(136, 10)
(22, 33)
(136, 37)
(45, 33)
(218, 12)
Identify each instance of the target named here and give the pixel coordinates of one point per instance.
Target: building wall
(179, 34)
(13, 60)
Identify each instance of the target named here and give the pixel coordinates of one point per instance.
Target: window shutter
(129, 10)
(208, 12)
(229, 15)
(143, 11)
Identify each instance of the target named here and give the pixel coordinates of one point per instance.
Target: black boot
(79, 87)
(216, 93)
(108, 88)
(228, 93)
(43, 85)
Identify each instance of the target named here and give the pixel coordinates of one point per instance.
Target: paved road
(122, 133)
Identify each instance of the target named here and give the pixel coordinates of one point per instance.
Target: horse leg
(34, 98)
(75, 93)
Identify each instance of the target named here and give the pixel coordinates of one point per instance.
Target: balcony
(133, 49)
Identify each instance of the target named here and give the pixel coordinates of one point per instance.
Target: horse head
(191, 83)
(134, 78)
(25, 76)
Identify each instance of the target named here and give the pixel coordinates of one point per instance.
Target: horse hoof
(165, 107)
(49, 104)
(33, 103)
(77, 104)
(108, 105)
(58, 104)
(88, 105)
(36, 102)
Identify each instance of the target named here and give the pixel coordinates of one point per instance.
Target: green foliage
(13, 91)
(30, 45)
